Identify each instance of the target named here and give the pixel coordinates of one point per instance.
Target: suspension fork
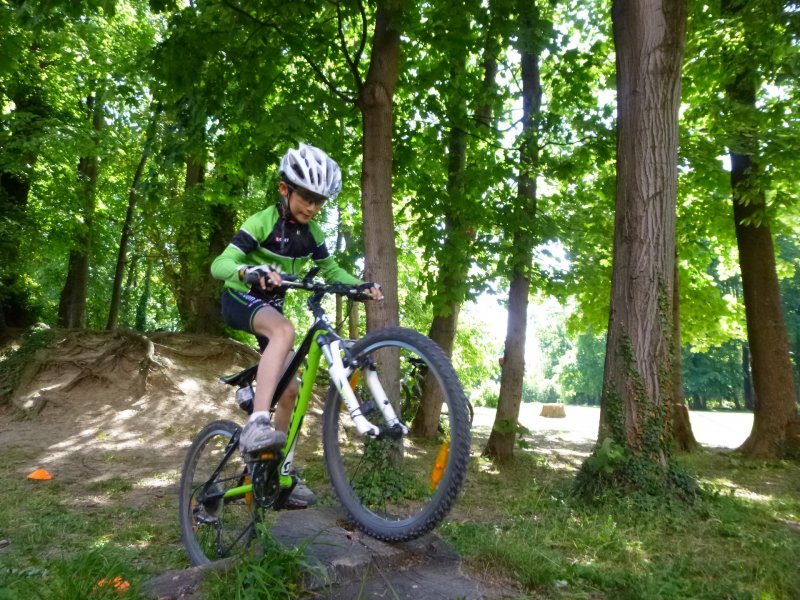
(340, 376)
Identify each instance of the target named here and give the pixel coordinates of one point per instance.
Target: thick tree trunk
(127, 226)
(504, 431)
(375, 98)
(773, 382)
(72, 304)
(197, 291)
(775, 418)
(681, 425)
(638, 379)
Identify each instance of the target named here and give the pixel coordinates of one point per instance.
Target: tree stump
(553, 411)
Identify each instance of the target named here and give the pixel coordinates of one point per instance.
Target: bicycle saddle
(241, 378)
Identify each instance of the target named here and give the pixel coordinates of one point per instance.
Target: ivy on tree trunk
(635, 432)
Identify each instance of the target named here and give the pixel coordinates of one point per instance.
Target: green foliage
(387, 482)
(732, 541)
(582, 380)
(713, 379)
(614, 469)
(273, 572)
(91, 573)
(13, 362)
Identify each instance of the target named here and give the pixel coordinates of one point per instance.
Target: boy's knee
(285, 330)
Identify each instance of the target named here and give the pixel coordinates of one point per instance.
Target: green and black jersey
(267, 238)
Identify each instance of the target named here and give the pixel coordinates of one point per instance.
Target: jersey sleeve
(249, 237)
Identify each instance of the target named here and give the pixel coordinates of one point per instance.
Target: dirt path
(713, 429)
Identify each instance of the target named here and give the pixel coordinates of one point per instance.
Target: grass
(57, 548)
(518, 525)
(273, 573)
(740, 540)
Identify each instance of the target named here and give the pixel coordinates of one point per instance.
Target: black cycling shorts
(239, 309)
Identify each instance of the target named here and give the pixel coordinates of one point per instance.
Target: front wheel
(399, 489)
(214, 527)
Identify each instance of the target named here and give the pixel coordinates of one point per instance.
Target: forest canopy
(136, 136)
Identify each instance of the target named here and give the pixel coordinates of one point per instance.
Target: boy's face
(304, 205)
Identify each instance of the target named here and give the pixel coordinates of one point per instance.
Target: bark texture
(681, 425)
(775, 412)
(638, 379)
(375, 102)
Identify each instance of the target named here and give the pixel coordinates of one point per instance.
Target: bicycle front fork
(340, 376)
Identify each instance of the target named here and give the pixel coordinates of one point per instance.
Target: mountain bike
(394, 485)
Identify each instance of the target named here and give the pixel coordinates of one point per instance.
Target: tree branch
(364, 26)
(314, 67)
(350, 62)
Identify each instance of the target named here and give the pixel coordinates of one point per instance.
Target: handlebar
(319, 290)
(322, 289)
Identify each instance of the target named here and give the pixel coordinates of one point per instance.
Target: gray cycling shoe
(301, 497)
(259, 434)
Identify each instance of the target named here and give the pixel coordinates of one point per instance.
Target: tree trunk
(353, 320)
(20, 148)
(375, 102)
(773, 382)
(638, 380)
(681, 425)
(72, 304)
(140, 319)
(375, 99)
(775, 415)
(504, 431)
(197, 290)
(130, 283)
(127, 226)
(455, 257)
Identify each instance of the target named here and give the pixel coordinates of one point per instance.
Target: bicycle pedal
(261, 456)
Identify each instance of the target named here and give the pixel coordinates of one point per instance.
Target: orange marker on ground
(40, 475)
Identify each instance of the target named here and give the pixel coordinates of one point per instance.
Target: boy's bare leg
(258, 432)
(271, 324)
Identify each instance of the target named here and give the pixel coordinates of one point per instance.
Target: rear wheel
(398, 489)
(213, 527)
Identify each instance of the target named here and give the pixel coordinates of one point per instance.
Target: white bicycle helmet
(311, 168)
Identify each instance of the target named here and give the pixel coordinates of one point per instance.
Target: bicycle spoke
(384, 483)
(212, 526)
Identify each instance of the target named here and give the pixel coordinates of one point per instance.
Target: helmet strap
(286, 212)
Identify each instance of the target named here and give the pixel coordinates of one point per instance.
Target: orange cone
(40, 475)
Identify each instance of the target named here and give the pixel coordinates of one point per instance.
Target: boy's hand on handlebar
(261, 276)
(371, 289)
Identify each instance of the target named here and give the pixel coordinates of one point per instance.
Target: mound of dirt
(101, 405)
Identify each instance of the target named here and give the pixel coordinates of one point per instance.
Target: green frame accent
(298, 414)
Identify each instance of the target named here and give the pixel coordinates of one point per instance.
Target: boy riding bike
(279, 239)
